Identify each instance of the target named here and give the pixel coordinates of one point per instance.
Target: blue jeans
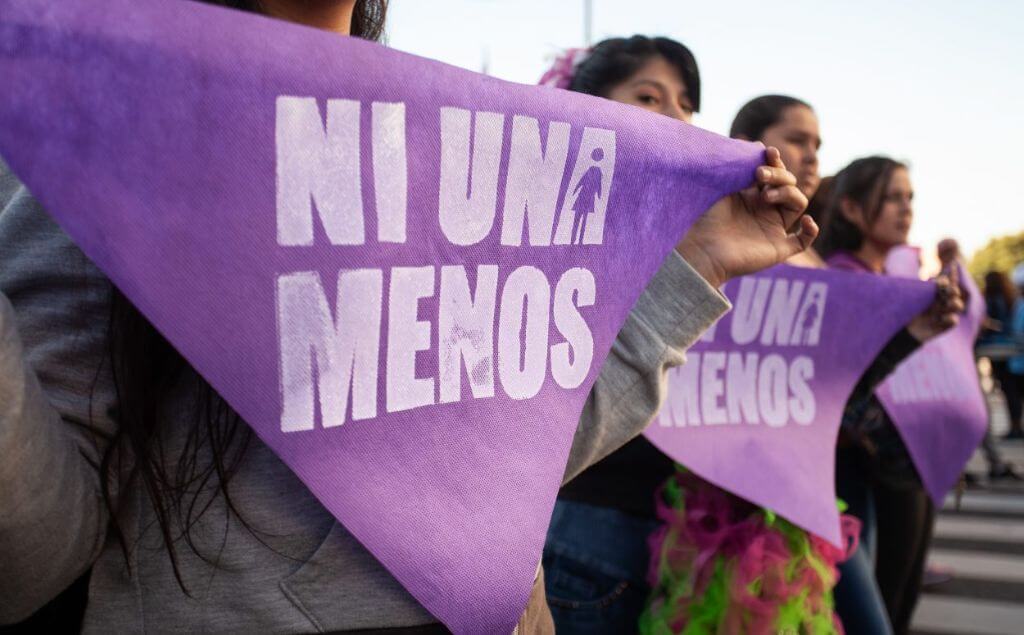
(595, 568)
(859, 602)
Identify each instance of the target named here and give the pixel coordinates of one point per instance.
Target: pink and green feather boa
(720, 565)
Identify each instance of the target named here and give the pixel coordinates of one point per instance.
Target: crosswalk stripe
(995, 514)
(982, 544)
(996, 547)
(985, 596)
(977, 502)
(937, 614)
(962, 586)
(981, 565)
(978, 528)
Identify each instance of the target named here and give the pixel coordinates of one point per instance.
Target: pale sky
(937, 84)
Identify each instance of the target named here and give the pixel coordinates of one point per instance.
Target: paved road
(983, 543)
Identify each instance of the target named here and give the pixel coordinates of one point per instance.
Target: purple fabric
(147, 128)
(904, 261)
(757, 407)
(935, 400)
(845, 261)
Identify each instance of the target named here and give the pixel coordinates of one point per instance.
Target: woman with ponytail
(870, 212)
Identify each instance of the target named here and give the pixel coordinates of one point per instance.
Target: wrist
(920, 329)
(702, 263)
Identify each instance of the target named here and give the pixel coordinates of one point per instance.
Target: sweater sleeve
(895, 351)
(673, 311)
(55, 405)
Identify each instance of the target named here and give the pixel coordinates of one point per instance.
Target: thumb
(954, 276)
(798, 242)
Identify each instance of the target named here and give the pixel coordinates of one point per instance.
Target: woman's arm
(900, 347)
(54, 407)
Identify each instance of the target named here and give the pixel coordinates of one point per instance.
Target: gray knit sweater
(313, 575)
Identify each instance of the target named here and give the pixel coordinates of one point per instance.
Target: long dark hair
(863, 182)
(817, 207)
(998, 285)
(145, 368)
(614, 60)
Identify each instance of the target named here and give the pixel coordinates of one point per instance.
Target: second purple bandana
(935, 400)
(453, 253)
(766, 387)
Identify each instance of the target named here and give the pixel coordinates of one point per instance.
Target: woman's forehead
(657, 70)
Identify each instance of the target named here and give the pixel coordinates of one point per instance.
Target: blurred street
(982, 545)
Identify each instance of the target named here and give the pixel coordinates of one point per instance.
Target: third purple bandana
(935, 400)
(765, 389)
(403, 275)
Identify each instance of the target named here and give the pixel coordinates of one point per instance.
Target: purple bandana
(757, 406)
(403, 275)
(935, 400)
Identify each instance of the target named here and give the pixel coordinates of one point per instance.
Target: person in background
(595, 557)
(870, 213)
(1015, 365)
(791, 125)
(1000, 297)
(948, 252)
(793, 122)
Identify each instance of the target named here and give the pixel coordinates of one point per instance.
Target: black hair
(817, 207)
(367, 15)
(614, 60)
(761, 113)
(145, 368)
(863, 182)
(999, 285)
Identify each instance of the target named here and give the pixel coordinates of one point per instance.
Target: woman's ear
(852, 213)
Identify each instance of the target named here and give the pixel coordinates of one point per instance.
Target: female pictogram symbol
(587, 192)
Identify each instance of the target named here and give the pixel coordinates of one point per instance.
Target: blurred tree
(1000, 254)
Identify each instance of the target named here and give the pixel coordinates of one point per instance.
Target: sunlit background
(937, 84)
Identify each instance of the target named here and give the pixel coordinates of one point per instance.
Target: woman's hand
(749, 231)
(944, 311)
